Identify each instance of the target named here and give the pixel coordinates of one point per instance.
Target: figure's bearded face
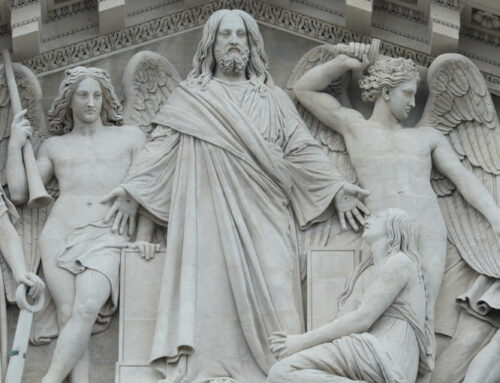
(231, 45)
(232, 62)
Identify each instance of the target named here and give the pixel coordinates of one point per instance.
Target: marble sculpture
(382, 333)
(247, 178)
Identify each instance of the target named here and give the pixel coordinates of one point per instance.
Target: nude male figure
(89, 155)
(394, 162)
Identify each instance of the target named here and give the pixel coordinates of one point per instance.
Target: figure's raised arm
(323, 106)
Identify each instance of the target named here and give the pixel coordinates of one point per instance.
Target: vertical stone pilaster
(111, 16)
(25, 26)
(358, 15)
(444, 24)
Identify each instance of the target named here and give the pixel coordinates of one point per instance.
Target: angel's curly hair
(388, 72)
(60, 115)
(204, 60)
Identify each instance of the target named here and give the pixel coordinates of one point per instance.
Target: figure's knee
(86, 310)
(64, 314)
(280, 372)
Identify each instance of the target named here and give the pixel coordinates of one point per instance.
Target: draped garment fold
(227, 168)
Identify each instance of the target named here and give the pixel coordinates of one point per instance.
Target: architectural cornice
(21, 3)
(25, 22)
(480, 36)
(400, 11)
(453, 4)
(152, 7)
(194, 17)
(319, 7)
(70, 10)
(265, 13)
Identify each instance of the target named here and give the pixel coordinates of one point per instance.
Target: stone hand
(349, 206)
(124, 209)
(20, 130)
(147, 250)
(33, 281)
(283, 345)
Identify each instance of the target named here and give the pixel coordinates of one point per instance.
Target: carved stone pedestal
(139, 290)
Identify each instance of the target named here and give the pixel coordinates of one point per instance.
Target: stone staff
(21, 338)
(38, 195)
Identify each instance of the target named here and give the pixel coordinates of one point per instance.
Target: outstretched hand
(124, 209)
(349, 206)
(283, 345)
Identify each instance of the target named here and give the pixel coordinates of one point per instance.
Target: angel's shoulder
(431, 134)
(131, 134)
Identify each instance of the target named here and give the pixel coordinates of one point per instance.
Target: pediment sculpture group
(248, 178)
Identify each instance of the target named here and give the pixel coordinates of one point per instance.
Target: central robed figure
(230, 167)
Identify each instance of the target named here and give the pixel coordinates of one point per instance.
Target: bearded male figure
(229, 167)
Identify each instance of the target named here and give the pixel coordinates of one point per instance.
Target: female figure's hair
(60, 115)
(204, 60)
(388, 72)
(401, 236)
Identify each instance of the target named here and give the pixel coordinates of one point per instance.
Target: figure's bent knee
(280, 372)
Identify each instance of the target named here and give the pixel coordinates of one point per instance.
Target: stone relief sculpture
(18, 247)
(228, 165)
(381, 333)
(88, 155)
(423, 170)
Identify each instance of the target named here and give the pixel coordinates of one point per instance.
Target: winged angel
(83, 152)
(444, 171)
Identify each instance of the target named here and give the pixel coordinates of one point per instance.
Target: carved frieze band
(480, 36)
(320, 7)
(152, 7)
(453, 4)
(21, 3)
(400, 11)
(154, 29)
(25, 22)
(445, 23)
(399, 32)
(70, 10)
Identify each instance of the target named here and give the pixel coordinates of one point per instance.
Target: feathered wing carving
(332, 143)
(30, 221)
(460, 107)
(148, 80)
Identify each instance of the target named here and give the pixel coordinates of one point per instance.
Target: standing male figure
(229, 165)
(393, 162)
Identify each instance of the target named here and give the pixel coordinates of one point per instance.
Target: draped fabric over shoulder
(229, 168)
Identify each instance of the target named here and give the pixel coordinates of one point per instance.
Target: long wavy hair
(60, 115)
(401, 236)
(204, 60)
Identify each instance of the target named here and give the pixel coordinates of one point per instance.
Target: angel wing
(460, 107)
(319, 235)
(30, 221)
(148, 80)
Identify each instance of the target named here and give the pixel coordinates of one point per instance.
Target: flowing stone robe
(229, 168)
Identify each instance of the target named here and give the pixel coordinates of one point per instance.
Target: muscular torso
(87, 167)
(395, 165)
